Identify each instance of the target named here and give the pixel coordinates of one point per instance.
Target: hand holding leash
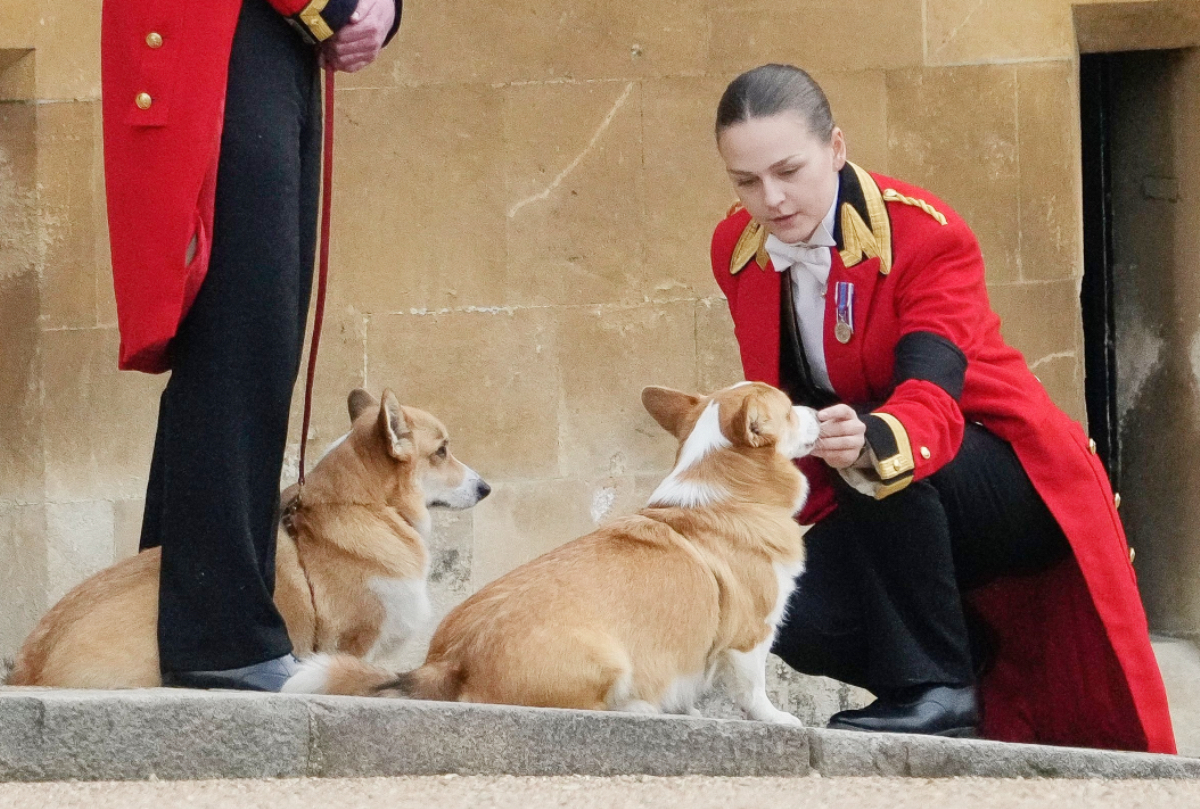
(358, 42)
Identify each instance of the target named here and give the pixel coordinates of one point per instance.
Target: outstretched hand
(357, 43)
(842, 436)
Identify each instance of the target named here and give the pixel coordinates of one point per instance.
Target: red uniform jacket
(1073, 663)
(163, 69)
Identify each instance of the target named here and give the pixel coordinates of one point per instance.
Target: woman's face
(785, 176)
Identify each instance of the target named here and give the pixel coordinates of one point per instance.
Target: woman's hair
(770, 90)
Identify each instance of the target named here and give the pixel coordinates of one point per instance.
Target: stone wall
(524, 199)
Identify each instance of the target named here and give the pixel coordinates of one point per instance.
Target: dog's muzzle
(807, 432)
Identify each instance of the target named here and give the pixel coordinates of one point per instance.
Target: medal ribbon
(845, 305)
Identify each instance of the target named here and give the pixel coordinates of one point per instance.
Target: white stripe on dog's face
(704, 438)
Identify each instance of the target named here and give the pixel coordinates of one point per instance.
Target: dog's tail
(344, 675)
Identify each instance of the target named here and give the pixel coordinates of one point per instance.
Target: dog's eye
(441, 453)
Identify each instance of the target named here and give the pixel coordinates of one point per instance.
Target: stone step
(174, 734)
(1179, 661)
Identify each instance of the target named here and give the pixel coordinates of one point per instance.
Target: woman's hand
(357, 43)
(842, 437)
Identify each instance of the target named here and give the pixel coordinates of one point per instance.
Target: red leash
(323, 265)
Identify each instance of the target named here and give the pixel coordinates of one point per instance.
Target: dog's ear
(758, 427)
(395, 427)
(360, 402)
(669, 407)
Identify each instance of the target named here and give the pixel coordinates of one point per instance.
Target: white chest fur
(785, 575)
(406, 609)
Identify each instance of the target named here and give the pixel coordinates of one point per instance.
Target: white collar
(784, 255)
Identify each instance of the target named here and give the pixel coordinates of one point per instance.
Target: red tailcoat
(1073, 663)
(163, 69)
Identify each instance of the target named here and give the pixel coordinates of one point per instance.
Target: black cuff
(337, 13)
(321, 19)
(932, 358)
(880, 437)
(889, 442)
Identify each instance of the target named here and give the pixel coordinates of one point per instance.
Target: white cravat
(813, 261)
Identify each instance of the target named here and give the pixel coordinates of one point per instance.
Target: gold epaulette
(892, 195)
(751, 246)
(860, 239)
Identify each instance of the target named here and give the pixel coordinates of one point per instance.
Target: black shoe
(270, 675)
(938, 710)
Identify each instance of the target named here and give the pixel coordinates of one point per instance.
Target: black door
(1096, 295)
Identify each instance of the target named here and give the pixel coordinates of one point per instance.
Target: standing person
(966, 563)
(212, 146)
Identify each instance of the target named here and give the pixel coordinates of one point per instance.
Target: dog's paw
(639, 706)
(786, 718)
(776, 717)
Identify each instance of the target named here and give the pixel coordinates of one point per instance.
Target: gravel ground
(507, 792)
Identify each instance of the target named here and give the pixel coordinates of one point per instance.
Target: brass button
(1117, 500)
(1132, 553)
(143, 101)
(1092, 445)
(154, 39)
(925, 453)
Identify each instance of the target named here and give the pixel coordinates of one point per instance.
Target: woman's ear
(838, 141)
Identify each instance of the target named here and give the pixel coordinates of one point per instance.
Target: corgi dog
(646, 612)
(350, 564)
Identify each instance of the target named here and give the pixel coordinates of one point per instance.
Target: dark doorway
(1096, 293)
(1140, 300)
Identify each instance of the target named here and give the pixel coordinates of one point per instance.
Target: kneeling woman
(966, 563)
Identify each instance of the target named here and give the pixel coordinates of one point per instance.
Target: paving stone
(76, 735)
(359, 737)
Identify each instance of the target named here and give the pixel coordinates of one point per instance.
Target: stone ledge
(168, 734)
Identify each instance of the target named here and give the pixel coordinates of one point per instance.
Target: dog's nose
(482, 489)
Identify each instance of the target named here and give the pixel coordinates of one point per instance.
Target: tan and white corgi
(350, 563)
(644, 613)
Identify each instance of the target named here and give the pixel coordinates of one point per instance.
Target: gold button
(1132, 553)
(154, 39)
(925, 453)
(1092, 445)
(1117, 500)
(143, 101)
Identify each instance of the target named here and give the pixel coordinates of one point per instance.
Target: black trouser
(223, 418)
(879, 603)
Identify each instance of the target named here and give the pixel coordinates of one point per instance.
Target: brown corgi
(350, 564)
(644, 613)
